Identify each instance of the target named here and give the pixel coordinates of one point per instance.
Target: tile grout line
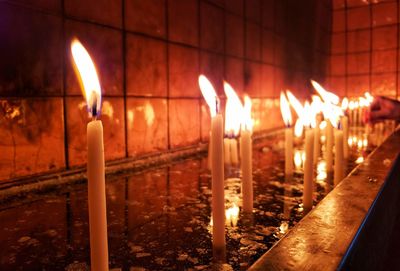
(124, 80)
(64, 86)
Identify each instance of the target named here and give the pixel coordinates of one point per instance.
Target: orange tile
(357, 85)
(146, 66)
(267, 81)
(211, 27)
(267, 46)
(252, 8)
(384, 61)
(339, 23)
(337, 84)
(357, 3)
(253, 41)
(146, 17)
(338, 43)
(338, 65)
(358, 18)
(147, 121)
(384, 84)
(32, 135)
(183, 71)
(338, 4)
(212, 66)
(252, 78)
(384, 37)
(234, 71)
(358, 63)
(234, 35)
(183, 21)
(184, 122)
(278, 80)
(384, 14)
(267, 13)
(93, 10)
(358, 41)
(105, 47)
(112, 117)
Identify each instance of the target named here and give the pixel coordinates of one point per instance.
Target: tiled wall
(365, 47)
(149, 54)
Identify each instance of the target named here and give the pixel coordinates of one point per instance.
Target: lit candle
(247, 155)
(316, 107)
(345, 125)
(329, 146)
(308, 171)
(287, 118)
(86, 71)
(234, 151)
(209, 163)
(227, 151)
(217, 169)
(339, 161)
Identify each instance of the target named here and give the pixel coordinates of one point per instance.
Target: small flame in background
(87, 75)
(233, 111)
(209, 94)
(285, 110)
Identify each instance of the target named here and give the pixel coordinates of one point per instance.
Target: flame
(232, 215)
(345, 103)
(369, 97)
(322, 125)
(209, 94)
(298, 161)
(298, 128)
(317, 105)
(359, 160)
(285, 110)
(295, 103)
(351, 105)
(247, 123)
(87, 75)
(308, 116)
(233, 111)
(327, 96)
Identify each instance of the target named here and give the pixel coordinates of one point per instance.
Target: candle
(345, 126)
(234, 151)
(227, 151)
(95, 159)
(247, 155)
(329, 146)
(287, 118)
(209, 152)
(308, 171)
(217, 160)
(317, 147)
(339, 161)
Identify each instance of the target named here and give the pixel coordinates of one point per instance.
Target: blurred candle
(87, 74)
(339, 161)
(217, 161)
(287, 118)
(227, 151)
(209, 163)
(329, 146)
(234, 151)
(308, 170)
(246, 146)
(345, 125)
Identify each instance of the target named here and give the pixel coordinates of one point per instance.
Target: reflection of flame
(149, 114)
(285, 110)
(298, 161)
(247, 120)
(283, 228)
(209, 94)
(360, 160)
(233, 111)
(87, 75)
(232, 215)
(321, 171)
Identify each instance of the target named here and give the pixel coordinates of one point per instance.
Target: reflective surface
(160, 219)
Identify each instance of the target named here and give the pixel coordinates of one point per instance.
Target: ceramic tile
(384, 61)
(267, 81)
(32, 135)
(384, 84)
(252, 8)
(338, 65)
(234, 6)
(357, 85)
(338, 45)
(384, 14)
(146, 17)
(359, 41)
(339, 21)
(212, 66)
(234, 35)
(358, 63)
(253, 41)
(358, 18)
(146, 66)
(267, 46)
(268, 13)
(211, 27)
(43, 5)
(183, 21)
(252, 78)
(234, 72)
(147, 121)
(384, 38)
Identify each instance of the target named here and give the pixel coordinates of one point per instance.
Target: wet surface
(160, 219)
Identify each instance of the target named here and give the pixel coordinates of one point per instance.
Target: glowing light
(298, 128)
(322, 125)
(365, 142)
(327, 96)
(369, 97)
(359, 144)
(345, 103)
(360, 160)
(298, 162)
(232, 215)
(295, 103)
(285, 110)
(87, 75)
(209, 94)
(321, 171)
(233, 111)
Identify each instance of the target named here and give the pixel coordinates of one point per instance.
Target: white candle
(95, 159)
(218, 196)
(97, 197)
(234, 151)
(317, 144)
(247, 172)
(339, 161)
(308, 171)
(345, 126)
(227, 151)
(289, 151)
(209, 163)
(329, 146)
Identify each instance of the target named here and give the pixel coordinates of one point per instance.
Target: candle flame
(285, 110)
(232, 215)
(369, 97)
(87, 75)
(209, 94)
(295, 103)
(327, 96)
(247, 123)
(298, 128)
(233, 111)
